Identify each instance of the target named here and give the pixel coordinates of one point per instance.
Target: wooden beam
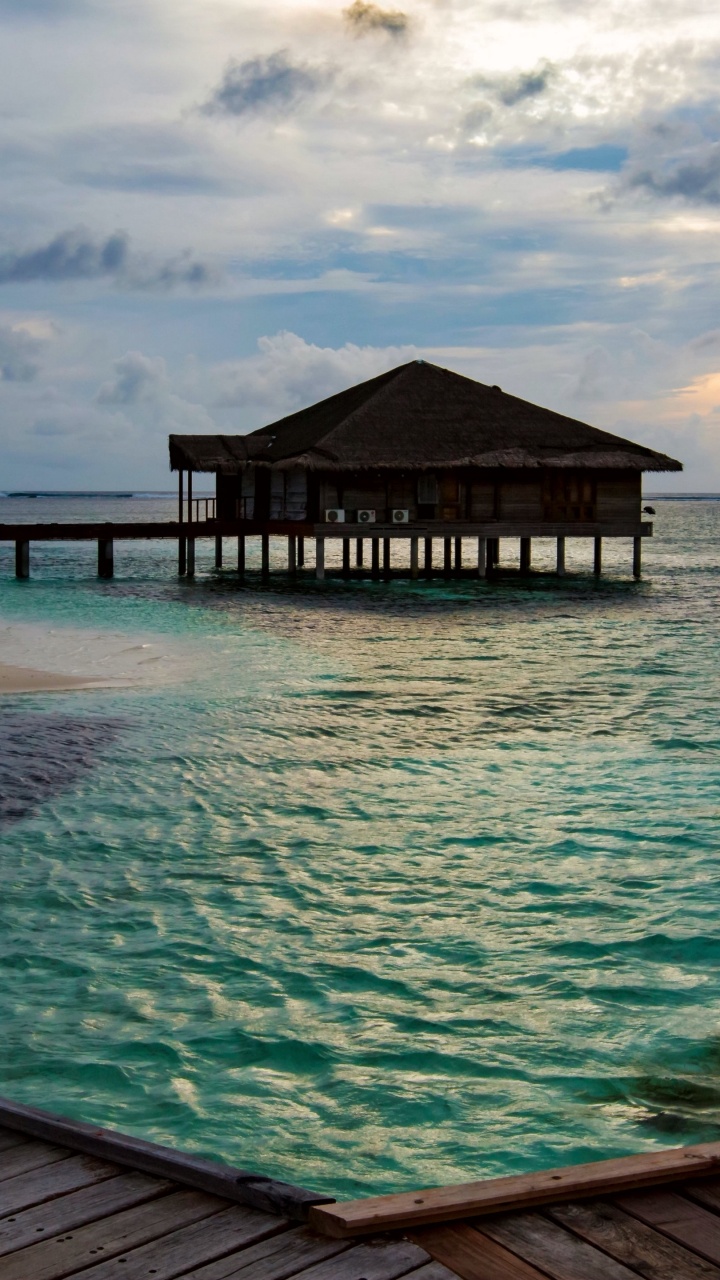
(346, 557)
(180, 495)
(597, 559)
(525, 555)
(414, 567)
(319, 559)
(182, 555)
(105, 557)
(458, 555)
(428, 557)
(375, 565)
(241, 555)
(637, 557)
(386, 558)
(22, 558)
(447, 557)
(292, 556)
(301, 552)
(264, 556)
(359, 553)
(560, 562)
(190, 557)
(218, 551)
(521, 1191)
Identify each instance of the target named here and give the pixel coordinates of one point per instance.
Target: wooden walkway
(67, 1210)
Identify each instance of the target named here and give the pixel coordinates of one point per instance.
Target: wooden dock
(82, 1203)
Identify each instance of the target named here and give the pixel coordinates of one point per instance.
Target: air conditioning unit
(366, 517)
(335, 515)
(399, 516)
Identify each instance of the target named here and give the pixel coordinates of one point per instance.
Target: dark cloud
(76, 255)
(694, 177)
(364, 17)
(18, 351)
(137, 378)
(261, 84)
(528, 85)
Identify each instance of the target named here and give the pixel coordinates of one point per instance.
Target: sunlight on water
(377, 885)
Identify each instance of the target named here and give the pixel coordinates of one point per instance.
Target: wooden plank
(9, 1139)
(174, 1254)
(240, 1185)
(52, 1180)
(376, 1260)
(557, 1252)
(706, 1192)
(678, 1218)
(473, 1256)
(66, 1253)
(630, 1241)
(68, 1212)
(274, 1259)
(432, 1271)
(30, 1155)
(443, 1204)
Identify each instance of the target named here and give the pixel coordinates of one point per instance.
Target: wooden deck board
(49, 1181)
(631, 1241)
(29, 1155)
(379, 1260)
(472, 1255)
(677, 1217)
(68, 1212)
(277, 1258)
(9, 1139)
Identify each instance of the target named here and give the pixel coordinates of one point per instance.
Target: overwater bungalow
(416, 454)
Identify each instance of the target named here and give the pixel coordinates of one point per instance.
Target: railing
(200, 509)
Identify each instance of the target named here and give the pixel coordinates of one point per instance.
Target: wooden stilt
(105, 557)
(413, 558)
(218, 551)
(264, 556)
(189, 498)
(301, 552)
(597, 562)
(525, 554)
(560, 563)
(182, 556)
(292, 555)
(319, 559)
(447, 562)
(191, 557)
(359, 552)
(241, 555)
(482, 558)
(375, 568)
(346, 557)
(181, 513)
(428, 557)
(458, 555)
(637, 557)
(22, 558)
(386, 559)
(490, 557)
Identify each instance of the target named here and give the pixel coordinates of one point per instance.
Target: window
(569, 496)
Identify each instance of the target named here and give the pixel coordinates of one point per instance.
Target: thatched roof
(418, 417)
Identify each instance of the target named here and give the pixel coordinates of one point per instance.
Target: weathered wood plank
(678, 1218)
(178, 1252)
(274, 1259)
(630, 1241)
(52, 1180)
(443, 1204)
(69, 1252)
(473, 1256)
(706, 1192)
(432, 1271)
(239, 1185)
(553, 1250)
(68, 1212)
(30, 1155)
(376, 1260)
(9, 1139)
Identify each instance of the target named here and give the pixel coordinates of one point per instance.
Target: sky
(215, 212)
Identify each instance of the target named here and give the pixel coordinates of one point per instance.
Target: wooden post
(637, 557)
(241, 555)
(346, 557)
(264, 556)
(218, 551)
(375, 559)
(428, 557)
(191, 557)
(496, 552)
(447, 565)
(482, 557)
(560, 563)
(189, 491)
(525, 554)
(386, 559)
(22, 558)
(458, 555)
(597, 562)
(182, 555)
(319, 559)
(413, 558)
(181, 513)
(292, 555)
(359, 553)
(301, 552)
(105, 557)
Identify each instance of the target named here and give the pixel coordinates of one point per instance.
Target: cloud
(269, 83)
(76, 255)
(19, 348)
(694, 177)
(528, 85)
(137, 378)
(364, 18)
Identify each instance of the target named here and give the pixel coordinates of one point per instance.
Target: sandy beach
(29, 680)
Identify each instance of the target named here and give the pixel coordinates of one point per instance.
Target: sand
(28, 680)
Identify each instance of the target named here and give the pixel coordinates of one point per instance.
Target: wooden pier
(428, 550)
(82, 1203)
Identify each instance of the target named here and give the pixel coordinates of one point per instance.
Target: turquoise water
(398, 885)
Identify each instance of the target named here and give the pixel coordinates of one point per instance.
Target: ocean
(366, 886)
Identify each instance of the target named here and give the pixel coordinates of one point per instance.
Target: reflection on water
(404, 884)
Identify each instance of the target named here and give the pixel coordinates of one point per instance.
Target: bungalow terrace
(417, 454)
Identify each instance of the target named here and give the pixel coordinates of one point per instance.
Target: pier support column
(428, 557)
(458, 555)
(22, 558)
(241, 555)
(218, 551)
(191, 557)
(597, 559)
(447, 560)
(105, 557)
(292, 555)
(414, 558)
(637, 557)
(482, 558)
(525, 554)
(560, 562)
(182, 556)
(375, 566)
(264, 556)
(386, 559)
(359, 552)
(319, 559)
(346, 557)
(301, 552)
